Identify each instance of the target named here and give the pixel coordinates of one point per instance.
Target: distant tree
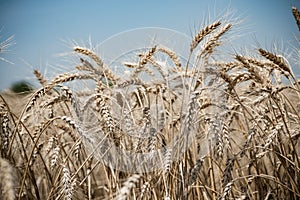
(21, 87)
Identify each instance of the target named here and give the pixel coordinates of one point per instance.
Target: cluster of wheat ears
(235, 125)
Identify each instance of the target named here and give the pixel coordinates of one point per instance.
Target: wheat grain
(171, 54)
(77, 148)
(226, 136)
(275, 59)
(50, 144)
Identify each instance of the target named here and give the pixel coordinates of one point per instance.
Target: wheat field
(200, 128)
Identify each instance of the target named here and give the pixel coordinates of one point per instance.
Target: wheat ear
(40, 77)
(296, 14)
(104, 110)
(68, 189)
(199, 37)
(5, 134)
(128, 185)
(106, 72)
(171, 54)
(214, 41)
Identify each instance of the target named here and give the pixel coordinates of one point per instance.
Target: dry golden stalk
(275, 59)
(62, 78)
(158, 67)
(40, 77)
(226, 77)
(171, 54)
(103, 108)
(130, 65)
(226, 66)
(132, 81)
(89, 53)
(66, 77)
(296, 14)
(106, 72)
(88, 67)
(199, 37)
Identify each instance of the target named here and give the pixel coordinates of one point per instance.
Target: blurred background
(45, 31)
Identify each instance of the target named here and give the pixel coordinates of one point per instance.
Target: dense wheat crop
(201, 128)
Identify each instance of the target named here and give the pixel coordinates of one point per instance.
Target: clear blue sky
(41, 26)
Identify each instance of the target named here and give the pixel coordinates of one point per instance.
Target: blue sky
(41, 27)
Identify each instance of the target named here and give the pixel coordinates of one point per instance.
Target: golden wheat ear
(296, 14)
(204, 32)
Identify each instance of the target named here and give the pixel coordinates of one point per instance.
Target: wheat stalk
(275, 59)
(89, 53)
(171, 54)
(40, 77)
